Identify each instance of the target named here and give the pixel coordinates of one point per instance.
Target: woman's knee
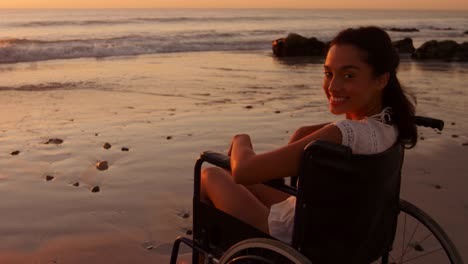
(213, 173)
(214, 176)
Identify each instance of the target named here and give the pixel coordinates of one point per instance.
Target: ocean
(35, 35)
(166, 85)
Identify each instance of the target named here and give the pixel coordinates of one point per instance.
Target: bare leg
(218, 187)
(267, 195)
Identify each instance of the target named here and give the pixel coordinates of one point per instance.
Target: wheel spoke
(420, 256)
(409, 242)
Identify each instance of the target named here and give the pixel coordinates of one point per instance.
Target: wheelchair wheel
(419, 239)
(262, 251)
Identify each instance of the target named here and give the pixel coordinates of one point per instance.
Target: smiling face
(350, 84)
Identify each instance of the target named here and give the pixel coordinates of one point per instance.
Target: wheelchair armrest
(217, 159)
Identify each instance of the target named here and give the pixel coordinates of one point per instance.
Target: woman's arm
(304, 131)
(250, 168)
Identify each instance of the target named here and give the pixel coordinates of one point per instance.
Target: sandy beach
(166, 109)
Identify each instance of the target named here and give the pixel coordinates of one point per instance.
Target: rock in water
(446, 50)
(404, 46)
(395, 29)
(462, 52)
(106, 145)
(297, 45)
(125, 149)
(95, 189)
(14, 153)
(49, 177)
(102, 165)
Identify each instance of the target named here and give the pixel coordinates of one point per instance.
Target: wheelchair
(347, 211)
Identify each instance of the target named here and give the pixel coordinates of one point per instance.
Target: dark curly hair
(383, 57)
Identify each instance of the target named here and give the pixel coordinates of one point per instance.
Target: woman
(360, 82)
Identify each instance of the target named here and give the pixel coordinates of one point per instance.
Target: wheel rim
(261, 250)
(419, 239)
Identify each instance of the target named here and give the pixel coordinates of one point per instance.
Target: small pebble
(125, 149)
(189, 232)
(96, 134)
(465, 144)
(421, 138)
(454, 136)
(249, 107)
(95, 189)
(437, 186)
(49, 177)
(150, 247)
(277, 112)
(185, 215)
(439, 132)
(418, 247)
(453, 123)
(169, 137)
(102, 165)
(14, 153)
(76, 184)
(54, 141)
(106, 145)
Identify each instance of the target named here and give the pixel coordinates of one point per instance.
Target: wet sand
(165, 109)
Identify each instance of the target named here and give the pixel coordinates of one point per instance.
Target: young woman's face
(350, 84)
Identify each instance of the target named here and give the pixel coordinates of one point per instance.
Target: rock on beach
(54, 141)
(106, 145)
(102, 165)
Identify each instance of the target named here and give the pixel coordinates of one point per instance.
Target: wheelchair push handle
(429, 122)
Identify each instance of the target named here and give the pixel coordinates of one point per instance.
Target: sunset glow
(344, 4)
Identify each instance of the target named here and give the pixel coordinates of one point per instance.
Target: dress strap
(385, 116)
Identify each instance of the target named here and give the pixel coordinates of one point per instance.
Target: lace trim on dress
(348, 133)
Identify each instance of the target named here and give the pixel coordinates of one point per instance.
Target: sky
(342, 4)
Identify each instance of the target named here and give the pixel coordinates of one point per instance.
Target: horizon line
(240, 8)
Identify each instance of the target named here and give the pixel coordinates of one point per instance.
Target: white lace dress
(370, 135)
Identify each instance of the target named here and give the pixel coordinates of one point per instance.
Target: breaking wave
(27, 50)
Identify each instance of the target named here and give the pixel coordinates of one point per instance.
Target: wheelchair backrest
(347, 204)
